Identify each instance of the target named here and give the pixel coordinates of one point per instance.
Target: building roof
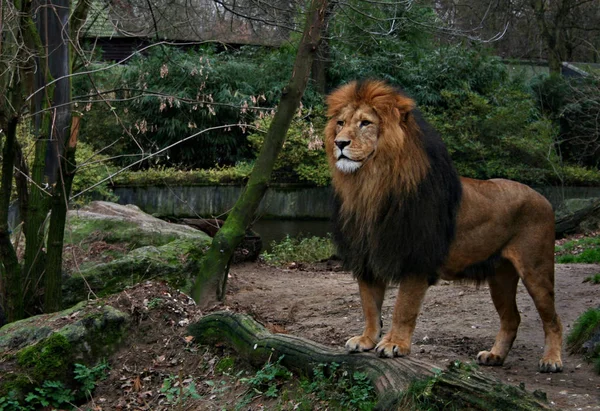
(190, 20)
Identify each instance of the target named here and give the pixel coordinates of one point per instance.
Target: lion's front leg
(396, 343)
(371, 297)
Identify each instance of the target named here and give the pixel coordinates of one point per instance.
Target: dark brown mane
(397, 214)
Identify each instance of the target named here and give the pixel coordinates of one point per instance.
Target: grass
(581, 250)
(299, 250)
(594, 279)
(585, 328)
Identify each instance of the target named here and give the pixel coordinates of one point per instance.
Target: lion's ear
(404, 106)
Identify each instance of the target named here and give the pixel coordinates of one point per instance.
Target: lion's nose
(342, 143)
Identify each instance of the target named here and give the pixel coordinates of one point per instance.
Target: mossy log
(569, 222)
(460, 386)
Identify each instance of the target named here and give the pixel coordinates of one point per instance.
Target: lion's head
(395, 186)
(372, 142)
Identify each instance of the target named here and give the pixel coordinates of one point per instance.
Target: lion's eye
(365, 123)
(340, 123)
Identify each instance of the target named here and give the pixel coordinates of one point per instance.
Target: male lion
(403, 215)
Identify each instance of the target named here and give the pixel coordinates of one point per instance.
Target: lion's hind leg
(371, 297)
(537, 275)
(503, 289)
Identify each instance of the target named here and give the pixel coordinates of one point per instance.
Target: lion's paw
(487, 358)
(390, 349)
(359, 343)
(550, 365)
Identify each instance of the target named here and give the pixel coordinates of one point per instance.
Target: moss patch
(82, 334)
(47, 360)
(114, 231)
(459, 387)
(584, 338)
(175, 262)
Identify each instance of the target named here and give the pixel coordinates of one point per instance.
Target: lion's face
(356, 135)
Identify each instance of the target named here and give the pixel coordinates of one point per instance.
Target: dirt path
(456, 322)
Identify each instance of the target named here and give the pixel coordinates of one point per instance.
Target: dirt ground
(322, 303)
(456, 322)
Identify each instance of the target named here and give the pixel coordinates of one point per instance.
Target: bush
(497, 136)
(92, 168)
(172, 176)
(299, 250)
(424, 75)
(303, 154)
(333, 384)
(171, 94)
(573, 104)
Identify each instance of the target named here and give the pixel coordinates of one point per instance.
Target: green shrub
(426, 72)
(171, 94)
(51, 394)
(303, 154)
(299, 250)
(573, 104)
(497, 136)
(87, 378)
(91, 169)
(160, 176)
(338, 387)
(177, 392)
(589, 256)
(268, 379)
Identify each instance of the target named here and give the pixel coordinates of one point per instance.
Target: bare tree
(211, 281)
(35, 78)
(556, 31)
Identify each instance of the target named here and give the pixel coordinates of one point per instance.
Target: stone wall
(290, 201)
(281, 201)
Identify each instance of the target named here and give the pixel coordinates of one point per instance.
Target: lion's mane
(396, 215)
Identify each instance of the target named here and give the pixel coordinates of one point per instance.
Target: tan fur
(495, 217)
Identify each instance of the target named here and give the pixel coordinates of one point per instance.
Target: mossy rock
(159, 250)
(46, 347)
(126, 225)
(175, 262)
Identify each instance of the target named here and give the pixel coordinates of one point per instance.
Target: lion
(402, 215)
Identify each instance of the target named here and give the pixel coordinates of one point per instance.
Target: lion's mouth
(348, 165)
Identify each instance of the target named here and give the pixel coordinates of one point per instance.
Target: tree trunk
(463, 386)
(56, 230)
(211, 280)
(551, 29)
(60, 156)
(11, 299)
(33, 228)
(321, 60)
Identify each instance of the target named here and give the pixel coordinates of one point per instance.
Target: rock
(175, 263)
(128, 222)
(46, 347)
(156, 249)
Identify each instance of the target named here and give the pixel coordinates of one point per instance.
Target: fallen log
(460, 386)
(568, 222)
